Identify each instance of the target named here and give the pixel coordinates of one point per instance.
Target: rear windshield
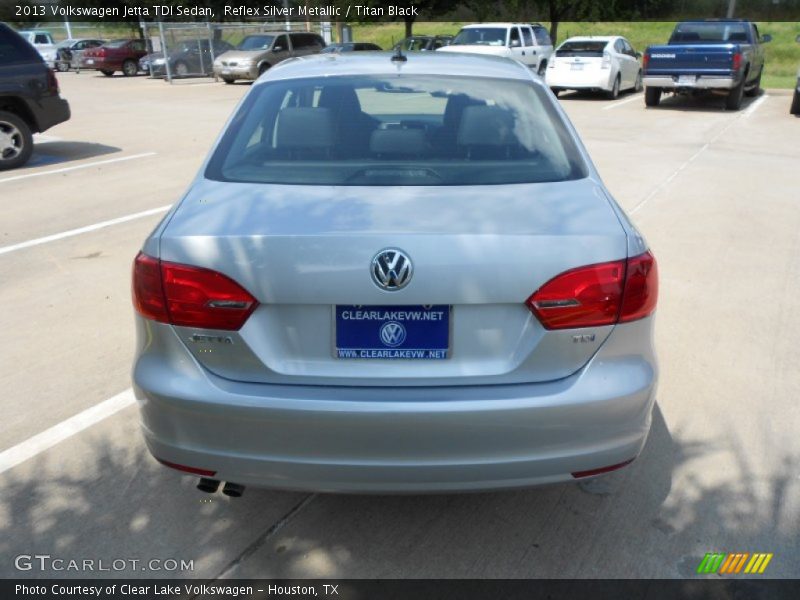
(396, 130)
(256, 42)
(698, 33)
(582, 48)
(481, 36)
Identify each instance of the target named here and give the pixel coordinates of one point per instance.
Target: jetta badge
(391, 269)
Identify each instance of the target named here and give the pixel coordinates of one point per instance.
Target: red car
(116, 55)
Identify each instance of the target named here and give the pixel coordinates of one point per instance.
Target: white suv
(529, 44)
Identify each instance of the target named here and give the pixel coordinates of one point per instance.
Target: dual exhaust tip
(210, 486)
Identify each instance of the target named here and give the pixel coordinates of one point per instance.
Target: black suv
(29, 98)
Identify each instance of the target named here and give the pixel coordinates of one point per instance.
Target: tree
(559, 10)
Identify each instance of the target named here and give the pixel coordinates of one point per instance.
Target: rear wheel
(795, 109)
(734, 99)
(756, 89)
(16, 141)
(227, 80)
(62, 66)
(614, 93)
(107, 73)
(130, 68)
(637, 86)
(652, 96)
(542, 68)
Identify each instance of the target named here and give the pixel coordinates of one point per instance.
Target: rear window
(14, 49)
(396, 130)
(481, 36)
(582, 48)
(698, 33)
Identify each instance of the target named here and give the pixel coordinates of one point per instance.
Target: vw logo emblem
(391, 269)
(393, 334)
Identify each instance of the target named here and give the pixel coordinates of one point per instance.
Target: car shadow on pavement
(705, 102)
(599, 97)
(61, 152)
(100, 496)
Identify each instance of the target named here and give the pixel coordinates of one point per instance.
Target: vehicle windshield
(480, 36)
(415, 44)
(192, 45)
(699, 33)
(256, 42)
(116, 43)
(582, 48)
(397, 130)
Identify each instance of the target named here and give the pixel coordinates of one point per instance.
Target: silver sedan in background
(395, 274)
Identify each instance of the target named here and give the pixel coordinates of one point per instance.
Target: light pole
(731, 8)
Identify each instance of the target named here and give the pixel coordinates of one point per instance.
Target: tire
(637, 86)
(228, 80)
(556, 91)
(542, 68)
(263, 69)
(16, 141)
(130, 68)
(61, 66)
(756, 89)
(614, 93)
(107, 73)
(734, 99)
(652, 96)
(795, 109)
(181, 69)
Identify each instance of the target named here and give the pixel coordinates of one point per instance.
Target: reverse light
(597, 295)
(189, 296)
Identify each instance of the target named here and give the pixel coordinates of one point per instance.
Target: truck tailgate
(700, 59)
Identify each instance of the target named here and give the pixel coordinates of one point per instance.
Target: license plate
(226, 71)
(393, 332)
(687, 79)
(89, 61)
(576, 66)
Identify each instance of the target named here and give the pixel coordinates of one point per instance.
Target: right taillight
(596, 295)
(189, 296)
(737, 61)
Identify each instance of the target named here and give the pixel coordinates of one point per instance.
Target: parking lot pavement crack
(262, 539)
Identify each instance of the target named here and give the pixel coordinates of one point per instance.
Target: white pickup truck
(43, 42)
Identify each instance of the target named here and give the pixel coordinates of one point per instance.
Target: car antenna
(398, 55)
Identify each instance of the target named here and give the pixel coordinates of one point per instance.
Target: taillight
(737, 61)
(187, 469)
(52, 81)
(189, 296)
(645, 61)
(596, 295)
(606, 62)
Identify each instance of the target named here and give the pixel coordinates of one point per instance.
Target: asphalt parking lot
(716, 194)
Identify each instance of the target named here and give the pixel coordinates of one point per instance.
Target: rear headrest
(739, 36)
(403, 142)
(486, 126)
(687, 36)
(303, 128)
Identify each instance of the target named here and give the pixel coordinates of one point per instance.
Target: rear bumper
(701, 82)
(569, 80)
(397, 439)
(51, 112)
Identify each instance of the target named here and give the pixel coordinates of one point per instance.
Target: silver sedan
(395, 274)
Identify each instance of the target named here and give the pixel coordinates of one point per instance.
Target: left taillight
(189, 296)
(600, 294)
(52, 81)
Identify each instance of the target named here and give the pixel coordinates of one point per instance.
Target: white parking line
(620, 103)
(58, 433)
(76, 167)
(80, 230)
(742, 115)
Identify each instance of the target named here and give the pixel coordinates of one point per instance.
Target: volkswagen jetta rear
(396, 276)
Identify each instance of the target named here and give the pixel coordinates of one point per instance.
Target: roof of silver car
(380, 63)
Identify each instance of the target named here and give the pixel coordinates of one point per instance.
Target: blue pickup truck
(722, 56)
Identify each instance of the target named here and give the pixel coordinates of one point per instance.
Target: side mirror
(766, 38)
